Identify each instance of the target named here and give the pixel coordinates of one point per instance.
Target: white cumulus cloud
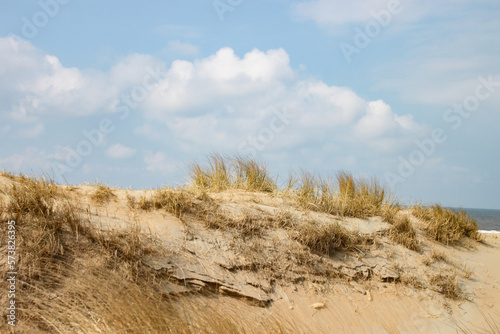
(34, 84)
(222, 76)
(221, 100)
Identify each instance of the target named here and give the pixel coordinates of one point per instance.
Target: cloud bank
(255, 103)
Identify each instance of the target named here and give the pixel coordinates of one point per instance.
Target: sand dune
(252, 261)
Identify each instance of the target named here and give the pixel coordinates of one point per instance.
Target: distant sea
(488, 220)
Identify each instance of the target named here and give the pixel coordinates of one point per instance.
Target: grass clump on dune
(102, 194)
(326, 239)
(360, 198)
(402, 232)
(38, 207)
(446, 225)
(236, 172)
(447, 285)
(51, 233)
(202, 207)
(215, 176)
(345, 196)
(252, 175)
(175, 201)
(48, 221)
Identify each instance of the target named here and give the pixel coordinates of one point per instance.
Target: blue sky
(130, 92)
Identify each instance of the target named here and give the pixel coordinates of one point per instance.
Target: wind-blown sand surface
(380, 288)
(398, 309)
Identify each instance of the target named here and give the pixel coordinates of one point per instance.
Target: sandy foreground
(397, 309)
(382, 290)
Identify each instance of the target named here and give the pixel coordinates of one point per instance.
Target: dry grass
(175, 201)
(466, 271)
(282, 219)
(8, 175)
(411, 279)
(447, 285)
(101, 301)
(361, 198)
(244, 225)
(345, 196)
(326, 239)
(102, 194)
(427, 260)
(390, 211)
(446, 225)
(402, 232)
(322, 239)
(234, 172)
(252, 175)
(212, 215)
(40, 211)
(51, 233)
(49, 222)
(435, 256)
(131, 202)
(490, 324)
(438, 256)
(76, 278)
(215, 176)
(202, 207)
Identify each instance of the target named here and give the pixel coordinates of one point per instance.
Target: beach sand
(398, 309)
